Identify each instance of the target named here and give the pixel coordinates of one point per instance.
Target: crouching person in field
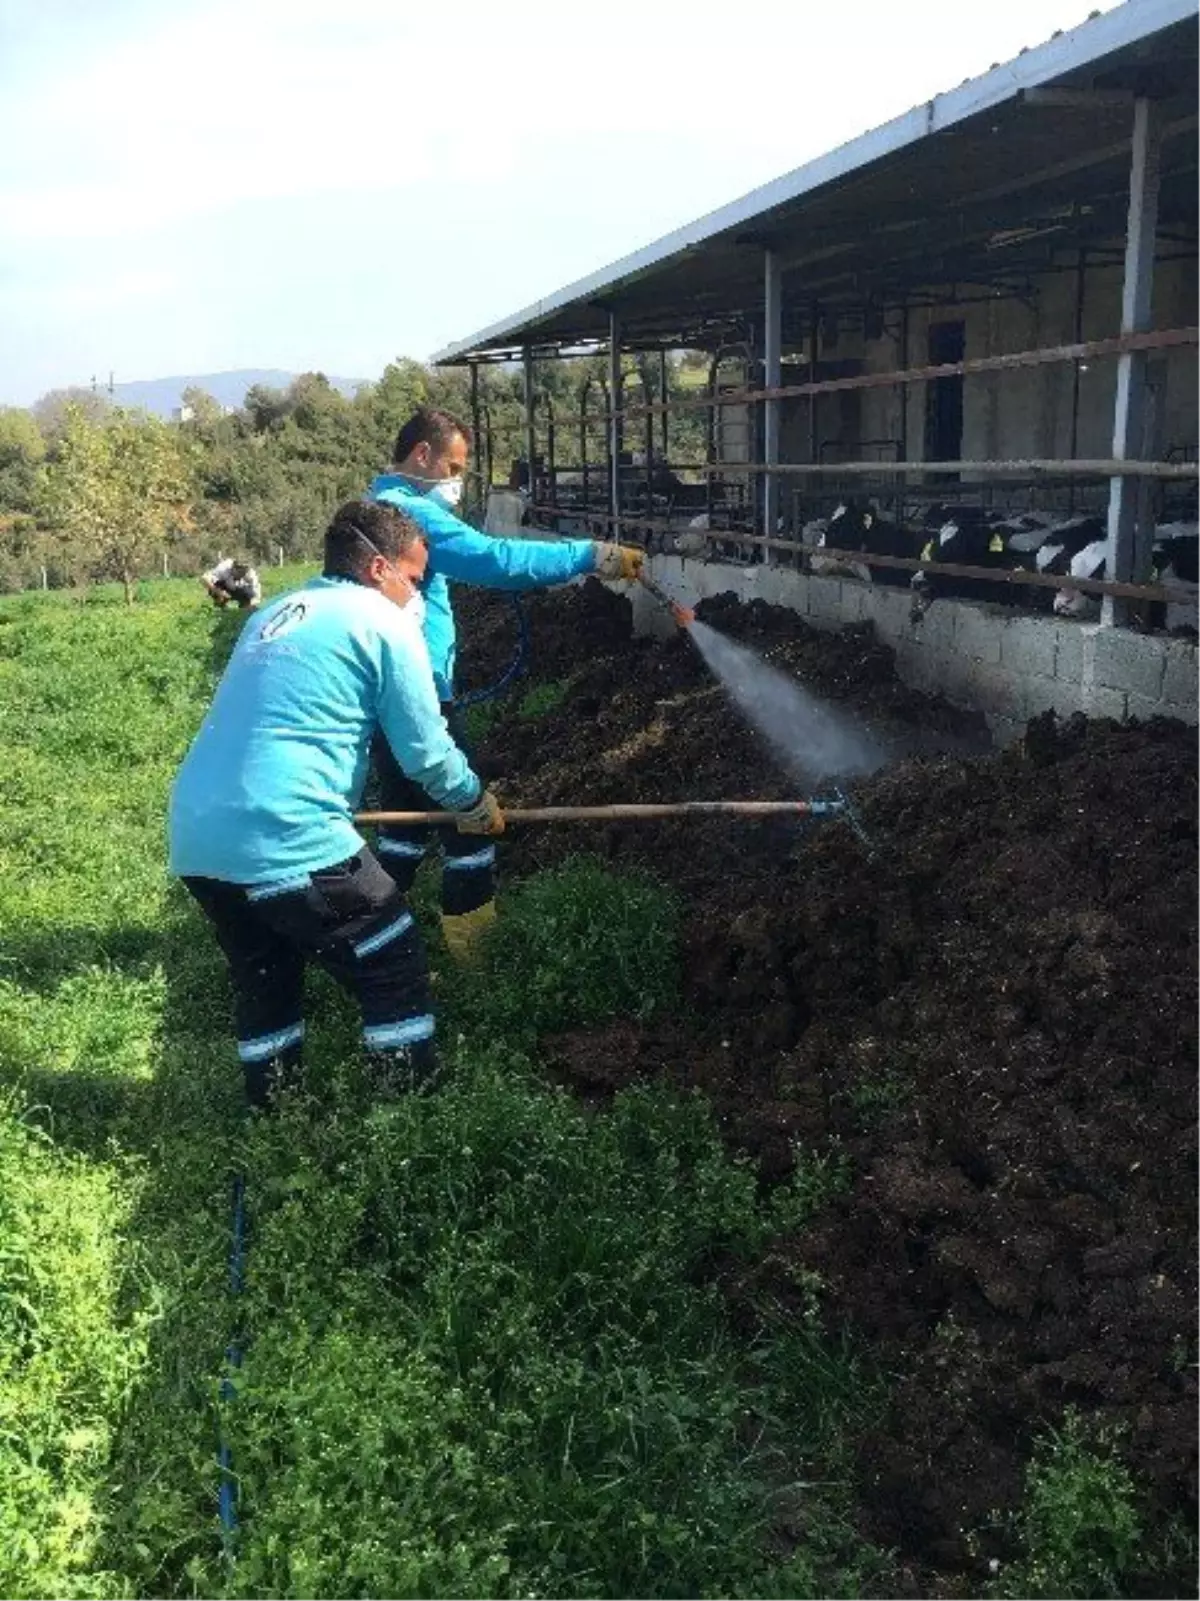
(261, 818)
(233, 581)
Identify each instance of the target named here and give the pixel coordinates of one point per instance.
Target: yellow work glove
(485, 817)
(464, 933)
(618, 563)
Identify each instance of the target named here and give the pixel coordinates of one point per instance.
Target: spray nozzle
(683, 615)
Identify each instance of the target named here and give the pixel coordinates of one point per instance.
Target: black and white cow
(970, 536)
(1175, 551)
(857, 526)
(1175, 567)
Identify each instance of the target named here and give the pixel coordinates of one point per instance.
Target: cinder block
(1099, 701)
(935, 630)
(1040, 694)
(914, 663)
(783, 587)
(977, 634)
(1179, 674)
(856, 601)
(1069, 651)
(1130, 662)
(1029, 645)
(891, 612)
(825, 600)
(1138, 706)
(992, 689)
(944, 673)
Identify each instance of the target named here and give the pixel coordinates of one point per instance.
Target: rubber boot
(464, 934)
(404, 1070)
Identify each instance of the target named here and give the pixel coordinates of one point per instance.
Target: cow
(969, 536)
(701, 539)
(857, 526)
(1174, 567)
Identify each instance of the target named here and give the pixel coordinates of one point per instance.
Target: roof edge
(1067, 52)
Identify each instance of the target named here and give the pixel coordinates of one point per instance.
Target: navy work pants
(352, 920)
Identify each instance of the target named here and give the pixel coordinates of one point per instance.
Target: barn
(984, 309)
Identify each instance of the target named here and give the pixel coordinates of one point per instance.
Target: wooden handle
(624, 814)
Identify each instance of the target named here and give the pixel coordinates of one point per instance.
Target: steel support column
(904, 333)
(663, 376)
(615, 430)
(1129, 533)
(772, 379)
(477, 433)
(530, 440)
(813, 350)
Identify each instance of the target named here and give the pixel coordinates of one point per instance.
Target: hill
(163, 395)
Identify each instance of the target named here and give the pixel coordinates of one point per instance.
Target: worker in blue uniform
(429, 461)
(262, 828)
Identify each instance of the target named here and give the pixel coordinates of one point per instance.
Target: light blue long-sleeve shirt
(268, 788)
(459, 552)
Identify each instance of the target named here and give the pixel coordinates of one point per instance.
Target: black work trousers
(352, 920)
(468, 860)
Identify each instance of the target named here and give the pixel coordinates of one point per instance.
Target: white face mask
(446, 490)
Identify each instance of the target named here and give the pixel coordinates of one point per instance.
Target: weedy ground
(484, 1350)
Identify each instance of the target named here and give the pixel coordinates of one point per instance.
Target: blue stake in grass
(228, 1497)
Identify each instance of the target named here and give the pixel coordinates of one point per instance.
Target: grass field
(481, 1356)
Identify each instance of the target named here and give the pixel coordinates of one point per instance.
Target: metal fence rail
(1014, 576)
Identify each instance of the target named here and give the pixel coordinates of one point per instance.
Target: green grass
(577, 945)
(1079, 1531)
(484, 1351)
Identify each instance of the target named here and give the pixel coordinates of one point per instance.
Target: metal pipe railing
(1089, 350)
(1017, 576)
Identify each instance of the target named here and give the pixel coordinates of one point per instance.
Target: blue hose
(515, 668)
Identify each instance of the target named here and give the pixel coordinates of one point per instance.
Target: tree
(22, 451)
(50, 412)
(266, 407)
(114, 490)
(206, 412)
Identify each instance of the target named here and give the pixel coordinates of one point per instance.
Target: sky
(219, 184)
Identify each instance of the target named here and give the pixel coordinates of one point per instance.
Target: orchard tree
(114, 490)
(22, 451)
(50, 412)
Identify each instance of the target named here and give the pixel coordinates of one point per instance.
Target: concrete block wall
(1009, 665)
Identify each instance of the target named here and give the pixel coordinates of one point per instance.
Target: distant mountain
(163, 395)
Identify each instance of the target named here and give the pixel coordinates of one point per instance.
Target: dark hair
(238, 571)
(428, 427)
(362, 529)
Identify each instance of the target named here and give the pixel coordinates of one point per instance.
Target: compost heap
(995, 1014)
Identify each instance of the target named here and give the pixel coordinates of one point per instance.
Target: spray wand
(683, 615)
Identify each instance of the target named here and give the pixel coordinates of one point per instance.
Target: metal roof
(981, 185)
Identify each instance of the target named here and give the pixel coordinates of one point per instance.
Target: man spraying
(430, 457)
(261, 818)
